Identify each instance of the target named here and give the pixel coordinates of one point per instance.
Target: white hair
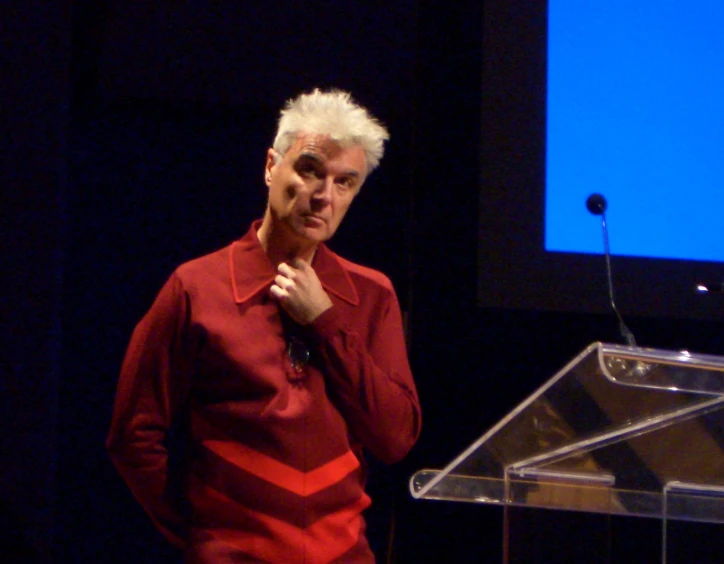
(334, 114)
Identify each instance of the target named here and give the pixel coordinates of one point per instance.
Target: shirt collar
(252, 271)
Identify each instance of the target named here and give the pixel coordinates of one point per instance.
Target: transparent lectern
(620, 431)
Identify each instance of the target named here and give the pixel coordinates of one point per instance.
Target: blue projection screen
(624, 99)
(635, 111)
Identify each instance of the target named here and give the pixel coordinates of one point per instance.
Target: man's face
(313, 185)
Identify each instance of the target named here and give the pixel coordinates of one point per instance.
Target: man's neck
(279, 246)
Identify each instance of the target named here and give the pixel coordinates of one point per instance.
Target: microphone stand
(596, 204)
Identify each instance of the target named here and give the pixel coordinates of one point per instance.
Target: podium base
(542, 536)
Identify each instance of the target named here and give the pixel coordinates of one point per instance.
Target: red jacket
(276, 472)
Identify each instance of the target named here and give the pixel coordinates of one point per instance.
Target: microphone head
(596, 204)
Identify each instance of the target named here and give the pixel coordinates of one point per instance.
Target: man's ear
(270, 164)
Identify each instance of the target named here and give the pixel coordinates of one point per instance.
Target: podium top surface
(619, 429)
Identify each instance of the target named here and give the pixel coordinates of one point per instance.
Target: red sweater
(277, 473)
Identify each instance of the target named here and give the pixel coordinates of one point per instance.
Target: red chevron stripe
(280, 474)
(273, 540)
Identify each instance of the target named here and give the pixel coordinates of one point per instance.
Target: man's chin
(314, 230)
(312, 234)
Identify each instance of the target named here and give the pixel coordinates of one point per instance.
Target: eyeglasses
(298, 356)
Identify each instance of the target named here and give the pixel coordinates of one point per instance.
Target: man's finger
(283, 282)
(285, 270)
(277, 292)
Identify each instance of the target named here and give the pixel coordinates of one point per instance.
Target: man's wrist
(324, 326)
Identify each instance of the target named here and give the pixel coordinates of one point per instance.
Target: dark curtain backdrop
(134, 137)
(34, 98)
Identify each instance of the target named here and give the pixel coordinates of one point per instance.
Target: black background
(133, 139)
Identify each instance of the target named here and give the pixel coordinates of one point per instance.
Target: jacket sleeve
(151, 386)
(370, 379)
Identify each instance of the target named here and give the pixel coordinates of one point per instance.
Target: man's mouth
(312, 218)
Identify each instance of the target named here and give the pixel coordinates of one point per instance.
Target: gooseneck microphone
(596, 204)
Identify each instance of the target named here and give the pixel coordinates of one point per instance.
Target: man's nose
(323, 190)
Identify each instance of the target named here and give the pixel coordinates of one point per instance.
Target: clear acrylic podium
(620, 431)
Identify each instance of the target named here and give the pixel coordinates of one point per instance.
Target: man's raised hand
(299, 291)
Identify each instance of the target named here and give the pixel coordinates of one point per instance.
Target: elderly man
(281, 361)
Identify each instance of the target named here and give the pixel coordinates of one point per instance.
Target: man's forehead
(323, 147)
